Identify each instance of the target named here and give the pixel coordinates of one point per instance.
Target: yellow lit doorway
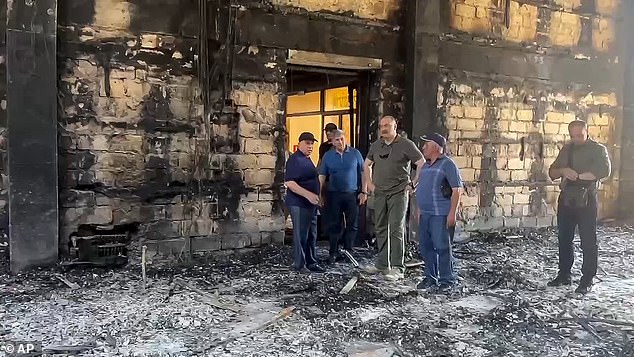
(311, 111)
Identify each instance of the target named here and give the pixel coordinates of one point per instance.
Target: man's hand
(451, 219)
(371, 187)
(569, 174)
(362, 198)
(313, 198)
(589, 176)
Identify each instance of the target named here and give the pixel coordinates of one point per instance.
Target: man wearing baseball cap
(302, 180)
(437, 197)
(329, 129)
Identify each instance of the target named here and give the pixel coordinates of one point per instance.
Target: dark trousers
(586, 219)
(340, 206)
(304, 236)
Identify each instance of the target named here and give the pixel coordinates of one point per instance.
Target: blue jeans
(304, 236)
(338, 206)
(435, 247)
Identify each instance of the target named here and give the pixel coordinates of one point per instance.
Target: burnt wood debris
(143, 146)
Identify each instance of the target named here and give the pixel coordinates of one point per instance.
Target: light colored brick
(267, 161)
(462, 161)
(568, 117)
(515, 164)
(467, 124)
(597, 119)
(474, 112)
(519, 175)
(244, 161)
(504, 175)
(150, 41)
(518, 127)
(525, 115)
(465, 10)
(257, 146)
(555, 117)
(456, 111)
(508, 114)
(248, 129)
(257, 209)
(551, 128)
(468, 174)
(565, 29)
(470, 201)
(258, 177)
(521, 198)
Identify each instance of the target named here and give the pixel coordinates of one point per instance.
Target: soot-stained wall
(175, 132)
(508, 77)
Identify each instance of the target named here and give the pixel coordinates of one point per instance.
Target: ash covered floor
(502, 309)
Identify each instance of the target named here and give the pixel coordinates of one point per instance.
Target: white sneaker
(372, 270)
(394, 275)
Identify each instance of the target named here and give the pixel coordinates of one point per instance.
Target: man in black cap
(329, 129)
(437, 196)
(302, 199)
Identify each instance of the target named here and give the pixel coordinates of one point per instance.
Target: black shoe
(426, 284)
(445, 288)
(560, 280)
(585, 285)
(301, 270)
(315, 268)
(332, 260)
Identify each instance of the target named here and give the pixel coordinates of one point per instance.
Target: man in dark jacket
(302, 200)
(581, 164)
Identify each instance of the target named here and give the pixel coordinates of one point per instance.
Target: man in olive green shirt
(387, 176)
(581, 164)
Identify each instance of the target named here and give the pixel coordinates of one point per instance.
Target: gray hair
(338, 133)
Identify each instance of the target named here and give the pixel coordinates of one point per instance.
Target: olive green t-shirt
(392, 163)
(587, 157)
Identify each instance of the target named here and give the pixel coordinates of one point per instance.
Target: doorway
(318, 96)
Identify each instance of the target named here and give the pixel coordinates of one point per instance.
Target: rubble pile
(255, 305)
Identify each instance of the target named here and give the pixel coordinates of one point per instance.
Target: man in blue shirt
(437, 195)
(343, 168)
(302, 201)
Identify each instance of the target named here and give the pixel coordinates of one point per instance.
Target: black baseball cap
(435, 137)
(306, 136)
(330, 127)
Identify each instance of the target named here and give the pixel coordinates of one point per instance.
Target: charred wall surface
(171, 119)
(508, 77)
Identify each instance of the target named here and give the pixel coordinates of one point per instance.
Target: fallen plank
(351, 258)
(605, 321)
(346, 289)
(284, 313)
(211, 300)
(68, 283)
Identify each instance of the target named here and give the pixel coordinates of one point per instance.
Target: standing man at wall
(302, 201)
(437, 195)
(581, 164)
(343, 168)
(329, 129)
(387, 170)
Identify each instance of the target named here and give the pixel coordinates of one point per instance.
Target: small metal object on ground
(68, 283)
(346, 289)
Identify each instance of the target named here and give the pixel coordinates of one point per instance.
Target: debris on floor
(254, 305)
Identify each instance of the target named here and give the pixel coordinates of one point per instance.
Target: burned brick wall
(138, 153)
(172, 120)
(511, 75)
(4, 207)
